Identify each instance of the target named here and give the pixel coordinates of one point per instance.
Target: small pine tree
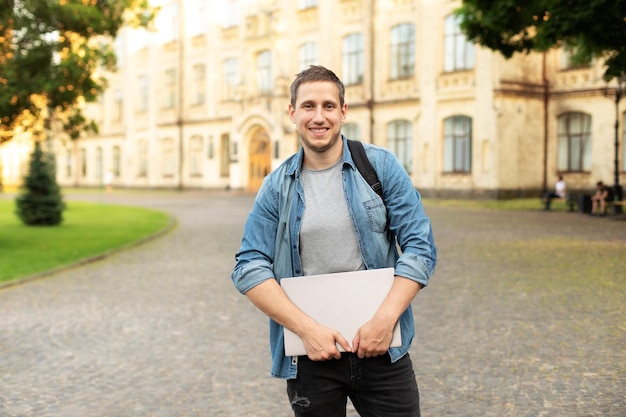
(40, 201)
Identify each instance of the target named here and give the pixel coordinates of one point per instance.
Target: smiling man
(316, 214)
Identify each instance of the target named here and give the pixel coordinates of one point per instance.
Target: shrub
(40, 201)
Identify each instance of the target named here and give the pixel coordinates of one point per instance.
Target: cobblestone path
(158, 330)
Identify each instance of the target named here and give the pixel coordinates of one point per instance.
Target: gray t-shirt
(328, 241)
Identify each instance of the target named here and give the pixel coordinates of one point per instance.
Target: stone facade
(177, 114)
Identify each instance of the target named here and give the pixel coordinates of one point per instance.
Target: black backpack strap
(364, 166)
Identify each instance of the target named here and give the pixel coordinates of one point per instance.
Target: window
(168, 23)
(119, 47)
(351, 131)
(567, 62)
(170, 89)
(400, 142)
(199, 84)
(142, 147)
(574, 142)
(69, 160)
(231, 14)
(118, 112)
(459, 53)
(139, 39)
(402, 51)
(195, 157)
(117, 161)
(353, 59)
(231, 78)
(308, 55)
(99, 163)
(225, 155)
(307, 4)
(83, 162)
(142, 103)
(264, 70)
(198, 17)
(457, 144)
(210, 148)
(167, 157)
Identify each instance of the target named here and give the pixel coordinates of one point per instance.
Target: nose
(318, 116)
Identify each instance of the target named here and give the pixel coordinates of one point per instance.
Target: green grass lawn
(88, 229)
(91, 229)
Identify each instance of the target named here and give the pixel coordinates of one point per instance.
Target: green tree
(40, 201)
(51, 49)
(589, 29)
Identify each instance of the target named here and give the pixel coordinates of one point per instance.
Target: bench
(617, 206)
(569, 200)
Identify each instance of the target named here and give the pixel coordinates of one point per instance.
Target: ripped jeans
(376, 387)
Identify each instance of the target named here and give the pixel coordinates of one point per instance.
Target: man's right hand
(320, 343)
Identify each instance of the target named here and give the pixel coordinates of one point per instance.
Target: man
(599, 199)
(560, 191)
(316, 214)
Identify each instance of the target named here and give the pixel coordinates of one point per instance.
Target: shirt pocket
(376, 215)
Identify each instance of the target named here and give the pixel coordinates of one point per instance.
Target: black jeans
(376, 387)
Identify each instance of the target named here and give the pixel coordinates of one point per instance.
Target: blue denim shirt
(270, 244)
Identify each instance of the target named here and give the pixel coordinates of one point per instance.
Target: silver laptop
(342, 301)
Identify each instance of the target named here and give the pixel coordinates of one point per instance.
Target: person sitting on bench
(560, 191)
(599, 199)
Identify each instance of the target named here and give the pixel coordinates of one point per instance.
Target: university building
(201, 101)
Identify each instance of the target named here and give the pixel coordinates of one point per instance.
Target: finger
(343, 343)
(356, 342)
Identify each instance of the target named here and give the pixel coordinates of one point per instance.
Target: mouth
(318, 130)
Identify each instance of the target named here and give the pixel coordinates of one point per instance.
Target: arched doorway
(259, 159)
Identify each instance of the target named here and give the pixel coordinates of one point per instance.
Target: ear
(292, 113)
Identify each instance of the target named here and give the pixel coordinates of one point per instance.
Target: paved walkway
(159, 330)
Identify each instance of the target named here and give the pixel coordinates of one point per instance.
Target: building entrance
(259, 160)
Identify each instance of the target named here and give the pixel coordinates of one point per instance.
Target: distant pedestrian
(108, 181)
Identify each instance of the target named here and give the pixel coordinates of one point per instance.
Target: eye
(307, 106)
(330, 106)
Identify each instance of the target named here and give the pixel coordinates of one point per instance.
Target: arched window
(402, 51)
(99, 163)
(457, 144)
(458, 52)
(231, 79)
(195, 156)
(264, 72)
(574, 142)
(117, 161)
(168, 157)
(308, 55)
(400, 142)
(353, 59)
(351, 131)
(142, 154)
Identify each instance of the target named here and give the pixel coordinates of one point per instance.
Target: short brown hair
(316, 73)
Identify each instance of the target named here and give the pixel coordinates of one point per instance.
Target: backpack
(364, 166)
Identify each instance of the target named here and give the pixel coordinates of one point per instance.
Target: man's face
(318, 115)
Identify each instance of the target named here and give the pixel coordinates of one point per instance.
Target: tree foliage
(40, 201)
(52, 49)
(589, 29)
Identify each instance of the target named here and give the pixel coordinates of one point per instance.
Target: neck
(323, 159)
